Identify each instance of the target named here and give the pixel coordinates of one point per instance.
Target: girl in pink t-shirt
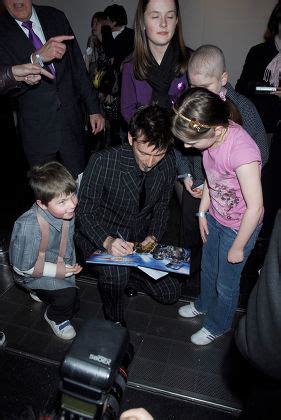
(231, 207)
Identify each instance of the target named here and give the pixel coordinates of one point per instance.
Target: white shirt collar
(36, 25)
(116, 33)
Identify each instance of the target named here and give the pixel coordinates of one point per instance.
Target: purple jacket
(135, 93)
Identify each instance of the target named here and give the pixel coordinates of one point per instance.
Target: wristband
(39, 60)
(201, 214)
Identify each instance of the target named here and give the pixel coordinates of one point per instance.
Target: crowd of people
(146, 92)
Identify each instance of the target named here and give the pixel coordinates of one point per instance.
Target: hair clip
(194, 124)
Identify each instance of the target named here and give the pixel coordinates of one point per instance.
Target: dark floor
(179, 371)
(171, 377)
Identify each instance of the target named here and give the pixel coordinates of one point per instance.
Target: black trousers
(191, 233)
(112, 281)
(62, 304)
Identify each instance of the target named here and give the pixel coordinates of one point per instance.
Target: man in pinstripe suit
(125, 191)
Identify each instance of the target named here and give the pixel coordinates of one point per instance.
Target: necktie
(142, 196)
(36, 41)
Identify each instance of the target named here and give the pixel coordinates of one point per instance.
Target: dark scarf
(161, 76)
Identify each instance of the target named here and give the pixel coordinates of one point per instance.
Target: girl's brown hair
(142, 58)
(197, 112)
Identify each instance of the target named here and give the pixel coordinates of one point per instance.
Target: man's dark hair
(116, 13)
(154, 123)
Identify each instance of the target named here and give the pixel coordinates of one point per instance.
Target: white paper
(155, 274)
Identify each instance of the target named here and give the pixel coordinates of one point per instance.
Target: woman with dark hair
(263, 68)
(156, 72)
(94, 56)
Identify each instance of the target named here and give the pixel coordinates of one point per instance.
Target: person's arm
(88, 213)
(203, 209)
(81, 80)
(28, 73)
(118, 247)
(50, 270)
(254, 126)
(128, 92)
(7, 79)
(249, 179)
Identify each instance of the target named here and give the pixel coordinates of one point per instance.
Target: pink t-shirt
(238, 148)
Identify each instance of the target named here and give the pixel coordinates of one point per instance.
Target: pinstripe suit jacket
(109, 199)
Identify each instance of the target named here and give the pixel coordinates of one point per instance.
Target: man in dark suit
(50, 116)
(117, 38)
(125, 193)
(117, 44)
(258, 336)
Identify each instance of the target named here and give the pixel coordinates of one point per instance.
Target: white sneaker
(203, 337)
(64, 330)
(34, 297)
(189, 311)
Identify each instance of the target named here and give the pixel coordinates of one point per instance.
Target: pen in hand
(120, 236)
(125, 242)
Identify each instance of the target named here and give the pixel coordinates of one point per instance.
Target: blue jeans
(220, 280)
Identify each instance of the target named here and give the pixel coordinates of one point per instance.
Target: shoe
(121, 323)
(34, 297)
(64, 330)
(189, 311)
(203, 337)
(2, 338)
(130, 291)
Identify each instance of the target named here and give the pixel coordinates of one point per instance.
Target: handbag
(105, 81)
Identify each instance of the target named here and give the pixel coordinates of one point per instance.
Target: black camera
(95, 371)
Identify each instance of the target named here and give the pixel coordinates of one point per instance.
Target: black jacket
(7, 80)
(40, 106)
(269, 106)
(258, 335)
(117, 48)
(109, 199)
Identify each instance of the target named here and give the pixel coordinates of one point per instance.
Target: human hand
(196, 192)
(118, 247)
(235, 255)
(30, 73)
(73, 269)
(148, 240)
(53, 48)
(97, 123)
(136, 414)
(277, 92)
(203, 227)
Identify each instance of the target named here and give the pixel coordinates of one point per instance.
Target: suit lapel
(15, 36)
(48, 28)
(130, 174)
(46, 23)
(158, 179)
